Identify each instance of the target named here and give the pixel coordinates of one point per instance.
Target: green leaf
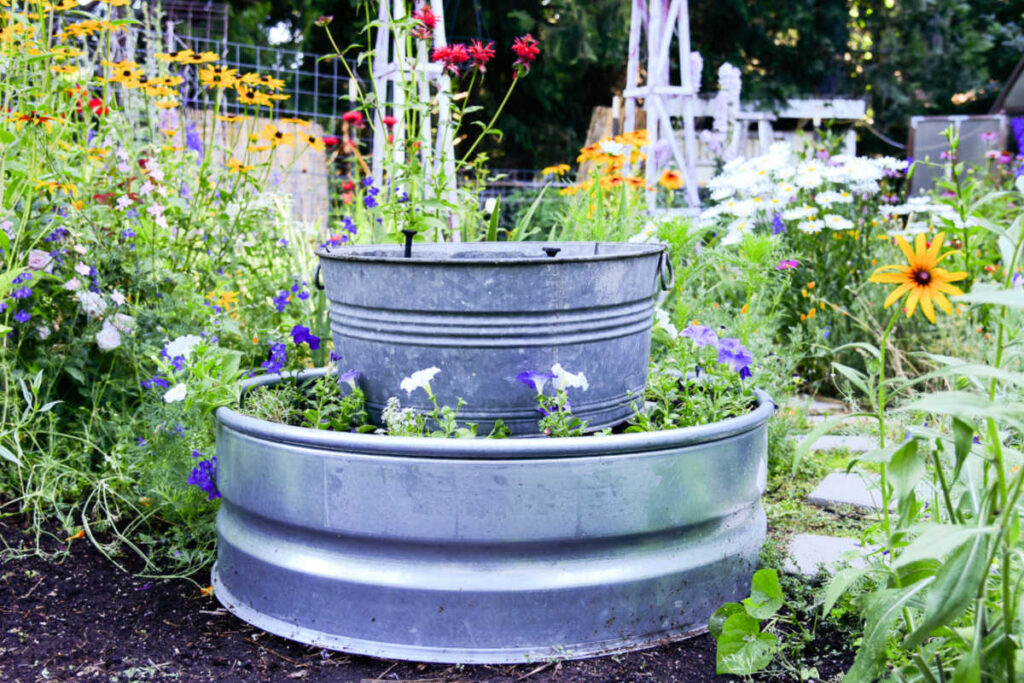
(988, 294)
(856, 377)
(492, 224)
(842, 580)
(963, 439)
(906, 469)
(881, 608)
(968, 670)
(954, 588)
(7, 455)
(742, 648)
(938, 540)
(718, 617)
(967, 404)
(6, 137)
(765, 594)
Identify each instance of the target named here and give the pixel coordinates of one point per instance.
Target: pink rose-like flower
(38, 259)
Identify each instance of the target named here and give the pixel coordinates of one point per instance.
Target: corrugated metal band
(480, 329)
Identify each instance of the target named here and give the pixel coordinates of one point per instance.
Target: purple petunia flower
(281, 300)
(301, 333)
(335, 356)
(732, 353)
(349, 378)
(537, 380)
(278, 357)
(204, 475)
(701, 336)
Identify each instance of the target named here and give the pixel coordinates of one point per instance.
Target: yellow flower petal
(915, 295)
(905, 246)
(942, 301)
(926, 305)
(897, 293)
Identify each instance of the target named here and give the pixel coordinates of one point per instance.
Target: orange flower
(671, 179)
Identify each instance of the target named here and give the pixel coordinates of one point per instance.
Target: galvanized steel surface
(484, 312)
(438, 550)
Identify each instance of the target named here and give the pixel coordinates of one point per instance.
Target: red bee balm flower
(330, 141)
(426, 21)
(353, 117)
(481, 54)
(96, 104)
(452, 56)
(389, 121)
(526, 50)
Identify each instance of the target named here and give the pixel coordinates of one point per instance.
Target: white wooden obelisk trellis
(659, 21)
(393, 70)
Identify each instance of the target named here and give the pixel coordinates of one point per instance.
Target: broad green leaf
(843, 579)
(996, 296)
(881, 609)
(7, 455)
(967, 404)
(856, 377)
(864, 346)
(906, 469)
(938, 540)
(718, 617)
(742, 648)
(963, 439)
(954, 587)
(6, 137)
(968, 670)
(765, 594)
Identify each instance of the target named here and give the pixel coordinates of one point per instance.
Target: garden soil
(83, 619)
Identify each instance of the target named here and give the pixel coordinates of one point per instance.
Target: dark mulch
(84, 620)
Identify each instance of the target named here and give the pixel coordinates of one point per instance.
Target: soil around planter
(84, 620)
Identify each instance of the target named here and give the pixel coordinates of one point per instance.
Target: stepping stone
(808, 551)
(839, 488)
(854, 444)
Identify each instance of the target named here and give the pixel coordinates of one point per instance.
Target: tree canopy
(907, 57)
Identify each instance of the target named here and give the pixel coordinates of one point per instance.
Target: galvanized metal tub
(487, 551)
(484, 312)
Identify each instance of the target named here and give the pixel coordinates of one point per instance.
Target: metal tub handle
(665, 264)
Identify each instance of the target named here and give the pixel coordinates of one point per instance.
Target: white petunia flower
(182, 346)
(564, 379)
(664, 321)
(176, 393)
(108, 338)
(420, 380)
(92, 303)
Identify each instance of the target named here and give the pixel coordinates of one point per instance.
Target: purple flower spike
(732, 353)
(301, 333)
(537, 380)
(204, 475)
(701, 336)
(778, 226)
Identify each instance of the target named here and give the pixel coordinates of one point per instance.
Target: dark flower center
(922, 277)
